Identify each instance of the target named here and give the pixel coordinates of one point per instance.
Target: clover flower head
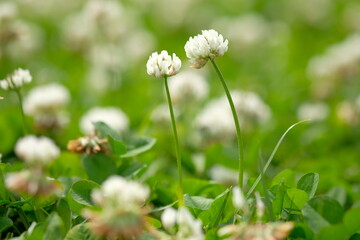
(188, 86)
(113, 117)
(163, 65)
(46, 99)
(119, 191)
(121, 214)
(32, 182)
(16, 80)
(36, 150)
(205, 46)
(187, 226)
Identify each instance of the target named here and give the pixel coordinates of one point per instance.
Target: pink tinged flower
(208, 45)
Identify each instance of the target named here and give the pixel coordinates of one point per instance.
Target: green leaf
(79, 195)
(80, 232)
(64, 212)
(212, 216)
(301, 231)
(138, 145)
(5, 223)
(356, 236)
(35, 232)
(339, 194)
(154, 222)
(287, 177)
(115, 140)
(352, 220)
(278, 202)
(98, 166)
(132, 170)
(333, 232)
(198, 202)
(322, 211)
(55, 229)
(309, 183)
(295, 199)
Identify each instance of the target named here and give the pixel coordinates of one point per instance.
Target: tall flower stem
(177, 148)
(237, 125)
(18, 93)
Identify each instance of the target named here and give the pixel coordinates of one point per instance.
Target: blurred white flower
(117, 191)
(238, 198)
(189, 228)
(224, 175)
(36, 150)
(113, 117)
(199, 161)
(251, 30)
(205, 46)
(187, 87)
(121, 214)
(168, 219)
(46, 104)
(250, 108)
(313, 111)
(16, 80)
(260, 206)
(161, 114)
(348, 112)
(8, 12)
(339, 61)
(163, 65)
(32, 182)
(215, 122)
(314, 12)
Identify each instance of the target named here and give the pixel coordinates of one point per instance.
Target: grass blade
(271, 158)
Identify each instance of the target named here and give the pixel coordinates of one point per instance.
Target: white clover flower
(161, 114)
(224, 175)
(339, 61)
(113, 117)
(313, 111)
(208, 45)
(215, 122)
(250, 108)
(16, 80)
(260, 206)
(117, 190)
(348, 112)
(163, 65)
(189, 228)
(36, 150)
(188, 86)
(168, 218)
(46, 99)
(8, 12)
(238, 198)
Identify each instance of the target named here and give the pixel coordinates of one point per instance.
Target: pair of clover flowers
(199, 49)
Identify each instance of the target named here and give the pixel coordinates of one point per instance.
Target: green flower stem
(177, 148)
(18, 93)
(237, 125)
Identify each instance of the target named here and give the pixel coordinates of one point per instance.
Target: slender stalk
(177, 148)
(18, 93)
(237, 125)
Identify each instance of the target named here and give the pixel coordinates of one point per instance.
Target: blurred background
(288, 60)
